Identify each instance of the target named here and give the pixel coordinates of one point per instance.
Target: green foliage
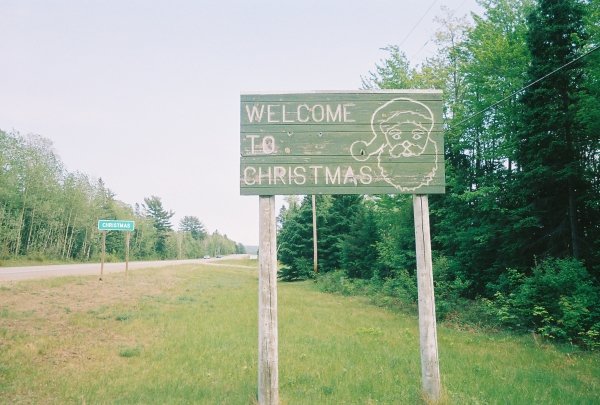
(300, 268)
(402, 286)
(359, 256)
(559, 301)
(398, 293)
(338, 282)
(396, 244)
(450, 288)
(340, 215)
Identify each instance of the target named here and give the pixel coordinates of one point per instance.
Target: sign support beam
(127, 238)
(268, 362)
(103, 254)
(430, 370)
(315, 248)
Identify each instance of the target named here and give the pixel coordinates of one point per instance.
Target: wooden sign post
(354, 142)
(103, 254)
(430, 370)
(315, 248)
(127, 238)
(268, 372)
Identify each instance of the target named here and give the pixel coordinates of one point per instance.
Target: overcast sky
(145, 94)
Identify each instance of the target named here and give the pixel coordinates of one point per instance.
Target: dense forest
(516, 237)
(50, 214)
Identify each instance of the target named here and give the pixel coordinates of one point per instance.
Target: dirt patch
(47, 320)
(56, 297)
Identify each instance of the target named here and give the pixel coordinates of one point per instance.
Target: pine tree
(339, 218)
(162, 223)
(295, 243)
(396, 248)
(358, 255)
(193, 226)
(549, 151)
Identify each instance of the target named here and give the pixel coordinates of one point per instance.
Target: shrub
(300, 269)
(329, 282)
(559, 300)
(338, 282)
(398, 293)
(403, 286)
(450, 288)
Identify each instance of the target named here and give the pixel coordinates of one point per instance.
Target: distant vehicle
(218, 256)
(206, 257)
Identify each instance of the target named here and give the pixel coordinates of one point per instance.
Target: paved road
(59, 270)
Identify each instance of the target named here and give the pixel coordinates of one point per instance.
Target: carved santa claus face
(405, 125)
(401, 129)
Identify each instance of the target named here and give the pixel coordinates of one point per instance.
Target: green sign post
(105, 225)
(356, 142)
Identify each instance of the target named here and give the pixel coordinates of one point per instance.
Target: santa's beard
(396, 174)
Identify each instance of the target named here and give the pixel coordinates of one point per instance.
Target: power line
(418, 22)
(429, 40)
(528, 86)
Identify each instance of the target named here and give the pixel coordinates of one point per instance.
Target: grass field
(188, 335)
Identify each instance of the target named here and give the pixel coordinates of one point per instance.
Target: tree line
(517, 233)
(49, 213)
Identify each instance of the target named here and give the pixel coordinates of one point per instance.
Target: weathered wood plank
(331, 113)
(339, 174)
(295, 129)
(350, 95)
(326, 176)
(324, 190)
(328, 143)
(333, 159)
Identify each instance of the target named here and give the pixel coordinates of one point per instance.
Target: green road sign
(115, 225)
(360, 142)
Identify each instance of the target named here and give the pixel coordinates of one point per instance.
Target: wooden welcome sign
(384, 142)
(357, 142)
